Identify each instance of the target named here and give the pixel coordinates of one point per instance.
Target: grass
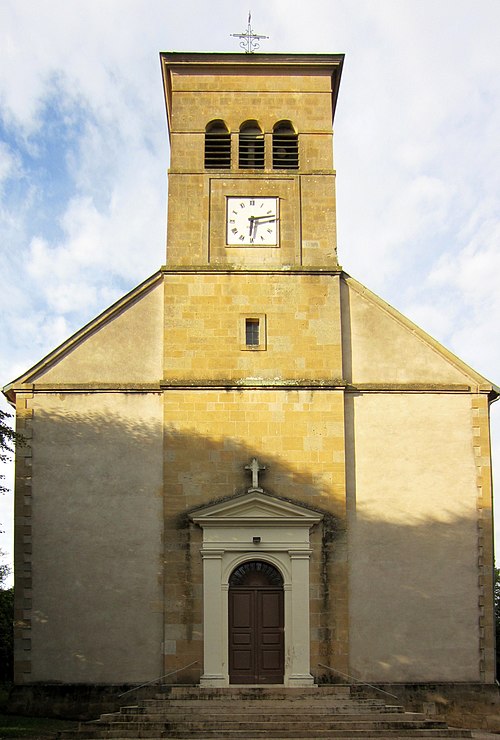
(36, 728)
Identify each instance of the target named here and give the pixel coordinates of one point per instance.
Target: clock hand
(252, 224)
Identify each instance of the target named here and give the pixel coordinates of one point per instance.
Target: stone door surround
(255, 525)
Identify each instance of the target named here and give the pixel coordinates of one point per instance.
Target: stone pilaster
(23, 542)
(482, 457)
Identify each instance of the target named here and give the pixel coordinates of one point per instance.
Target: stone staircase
(263, 712)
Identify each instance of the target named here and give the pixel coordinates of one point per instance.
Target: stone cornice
(215, 61)
(414, 388)
(203, 384)
(96, 387)
(228, 269)
(254, 383)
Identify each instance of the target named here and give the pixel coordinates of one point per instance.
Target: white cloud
(472, 268)
(9, 164)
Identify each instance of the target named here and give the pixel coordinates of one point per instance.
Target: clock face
(252, 221)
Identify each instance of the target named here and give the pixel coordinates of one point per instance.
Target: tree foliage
(8, 441)
(4, 571)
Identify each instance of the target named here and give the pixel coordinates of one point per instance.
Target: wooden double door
(256, 625)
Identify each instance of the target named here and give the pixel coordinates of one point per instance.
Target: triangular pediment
(255, 507)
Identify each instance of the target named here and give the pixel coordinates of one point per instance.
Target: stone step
(242, 722)
(298, 724)
(241, 690)
(451, 734)
(181, 714)
(280, 705)
(319, 734)
(234, 713)
(299, 701)
(348, 709)
(253, 693)
(252, 716)
(278, 700)
(257, 700)
(266, 728)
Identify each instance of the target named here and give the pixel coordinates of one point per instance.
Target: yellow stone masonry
(300, 435)
(202, 315)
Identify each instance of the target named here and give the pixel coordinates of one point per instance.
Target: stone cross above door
(255, 468)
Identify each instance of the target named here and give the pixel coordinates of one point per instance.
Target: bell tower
(252, 347)
(251, 180)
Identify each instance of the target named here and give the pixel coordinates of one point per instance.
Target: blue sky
(84, 155)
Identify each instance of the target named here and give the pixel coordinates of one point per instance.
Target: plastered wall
(96, 516)
(383, 347)
(127, 347)
(413, 538)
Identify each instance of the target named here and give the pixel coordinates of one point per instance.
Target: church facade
(251, 469)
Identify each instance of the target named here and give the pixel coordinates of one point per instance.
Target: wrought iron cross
(249, 39)
(255, 467)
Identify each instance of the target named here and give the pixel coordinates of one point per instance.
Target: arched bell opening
(217, 146)
(251, 146)
(285, 146)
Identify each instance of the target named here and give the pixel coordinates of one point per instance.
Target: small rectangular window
(252, 331)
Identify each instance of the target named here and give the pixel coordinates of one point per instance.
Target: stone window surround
(262, 332)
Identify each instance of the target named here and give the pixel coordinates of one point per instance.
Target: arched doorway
(256, 624)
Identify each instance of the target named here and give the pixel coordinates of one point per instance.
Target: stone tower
(252, 331)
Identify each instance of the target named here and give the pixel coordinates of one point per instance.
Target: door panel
(241, 639)
(242, 609)
(271, 639)
(270, 609)
(242, 635)
(271, 661)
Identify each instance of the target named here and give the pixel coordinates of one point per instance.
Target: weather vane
(249, 39)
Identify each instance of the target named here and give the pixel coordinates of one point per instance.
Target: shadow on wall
(110, 488)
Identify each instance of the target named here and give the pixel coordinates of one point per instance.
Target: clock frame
(252, 221)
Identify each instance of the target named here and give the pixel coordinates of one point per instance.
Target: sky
(84, 158)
